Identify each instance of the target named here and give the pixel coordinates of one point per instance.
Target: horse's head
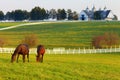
(13, 57)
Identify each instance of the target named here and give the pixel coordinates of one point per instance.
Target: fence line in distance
(65, 51)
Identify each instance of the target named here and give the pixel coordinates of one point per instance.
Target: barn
(93, 14)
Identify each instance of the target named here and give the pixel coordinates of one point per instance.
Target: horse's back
(22, 48)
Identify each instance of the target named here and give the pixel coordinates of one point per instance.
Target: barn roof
(104, 13)
(89, 13)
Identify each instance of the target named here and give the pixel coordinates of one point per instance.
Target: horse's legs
(17, 57)
(23, 58)
(42, 58)
(28, 57)
(38, 58)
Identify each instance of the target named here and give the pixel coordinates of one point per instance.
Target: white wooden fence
(65, 51)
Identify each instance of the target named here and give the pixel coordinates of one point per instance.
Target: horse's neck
(15, 52)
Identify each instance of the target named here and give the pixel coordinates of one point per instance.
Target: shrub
(30, 40)
(111, 39)
(108, 39)
(97, 41)
(2, 42)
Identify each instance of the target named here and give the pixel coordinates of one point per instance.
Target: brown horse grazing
(22, 49)
(40, 53)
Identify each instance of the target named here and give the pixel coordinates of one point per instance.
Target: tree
(43, 14)
(53, 14)
(30, 40)
(26, 15)
(108, 39)
(61, 14)
(17, 15)
(115, 17)
(70, 14)
(75, 15)
(20, 15)
(35, 14)
(47, 14)
(38, 14)
(1, 15)
(9, 15)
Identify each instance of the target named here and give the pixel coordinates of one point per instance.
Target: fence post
(73, 50)
(105, 50)
(100, 50)
(84, 51)
(115, 49)
(0, 51)
(55, 52)
(48, 51)
(119, 48)
(79, 51)
(61, 51)
(67, 51)
(111, 49)
(95, 50)
(90, 50)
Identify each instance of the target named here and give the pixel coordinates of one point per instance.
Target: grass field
(56, 66)
(7, 24)
(62, 67)
(63, 34)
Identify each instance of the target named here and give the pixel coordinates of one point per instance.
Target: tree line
(38, 13)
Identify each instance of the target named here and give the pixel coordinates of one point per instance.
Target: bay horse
(40, 53)
(21, 49)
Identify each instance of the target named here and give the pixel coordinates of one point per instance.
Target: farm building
(94, 14)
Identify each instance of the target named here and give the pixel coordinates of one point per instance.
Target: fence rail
(65, 51)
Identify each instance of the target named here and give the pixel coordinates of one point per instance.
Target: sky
(75, 5)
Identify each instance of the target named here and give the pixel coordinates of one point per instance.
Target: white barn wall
(85, 15)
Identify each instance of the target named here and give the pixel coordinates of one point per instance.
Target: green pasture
(60, 34)
(7, 24)
(62, 67)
